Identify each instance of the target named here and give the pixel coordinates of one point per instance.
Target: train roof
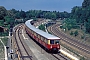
(40, 32)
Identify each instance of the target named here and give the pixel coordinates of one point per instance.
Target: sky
(47, 5)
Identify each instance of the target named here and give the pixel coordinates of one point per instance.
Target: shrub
(76, 33)
(71, 33)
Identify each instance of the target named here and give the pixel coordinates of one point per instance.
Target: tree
(82, 14)
(14, 11)
(86, 3)
(82, 58)
(71, 33)
(22, 14)
(42, 27)
(10, 13)
(53, 16)
(8, 19)
(88, 26)
(17, 15)
(76, 13)
(69, 23)
(48, 15)
(3, 12)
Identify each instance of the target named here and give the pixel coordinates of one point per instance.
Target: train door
(50, 43)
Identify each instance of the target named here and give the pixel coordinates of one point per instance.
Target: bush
(42, 27)
(76, 33)
(71, 33)
(5, 40)
(82, 58)
(82, 37)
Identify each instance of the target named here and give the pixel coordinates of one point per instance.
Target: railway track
(60, 56)
(23, 53)
(72, 41)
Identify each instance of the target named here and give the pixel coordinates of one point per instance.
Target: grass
(4, 40)
(76, 53)
(1, 51)
(83, 37)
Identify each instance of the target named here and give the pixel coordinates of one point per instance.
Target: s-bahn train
(48, 41)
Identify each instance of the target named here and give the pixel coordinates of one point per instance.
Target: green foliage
(10, 15)
(71, 33)
(6, 33)
(42, 27)
(4, 40)
(46, 14)
(82, 58)
(82, 14)
(82, 37)
(79, 14)
(88, 26)
(76, 33)
(3, 12)
(8, 19)
(22, 14)
(69, 23)
(53, 16)
(86, 3)
(1, 22)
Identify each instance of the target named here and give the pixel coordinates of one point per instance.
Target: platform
(36, 52)
(68, 55)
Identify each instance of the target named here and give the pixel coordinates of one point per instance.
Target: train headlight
(57, 46)
(51, 46)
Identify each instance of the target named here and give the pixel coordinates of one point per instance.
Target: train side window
(42, 38)
(51, 41)
(38, 36)
(45, 40)
(30, 31)
(34, 33)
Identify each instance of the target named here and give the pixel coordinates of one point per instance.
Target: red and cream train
(50, 42)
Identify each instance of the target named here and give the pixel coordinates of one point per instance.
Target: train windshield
(51, 41)
(56, 41)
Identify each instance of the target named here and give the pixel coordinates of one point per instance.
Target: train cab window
(51, 41)
(57, 42)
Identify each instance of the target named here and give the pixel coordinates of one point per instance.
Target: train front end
(54, 45)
